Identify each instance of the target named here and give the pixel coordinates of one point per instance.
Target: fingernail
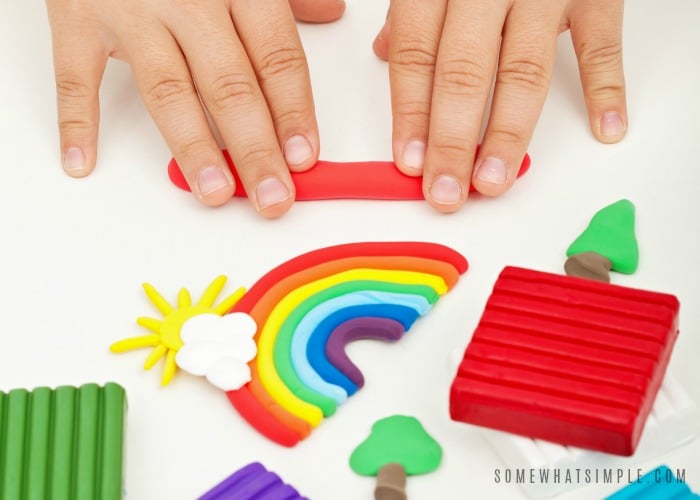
(611, 124)
(297, 150)
(211, 179)
(270, 191)
(492, 170)
(73, 160)
(446, 190)
(414, 154)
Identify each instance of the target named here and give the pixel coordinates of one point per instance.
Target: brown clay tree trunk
(590, 265)
(391, 483)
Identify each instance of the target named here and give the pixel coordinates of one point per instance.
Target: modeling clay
(589, 265)
(568, 360)
(356, 329)
(62, 444)
(673, 421)
(274, 390)
(314, 319)
(318, 345)
(659, 484)
(303, 363)
(165, 339)
(218, 347)
(391, 483)
(397, 446)
(378, 180)
(300, 373)
(610, 234)
(252, 482)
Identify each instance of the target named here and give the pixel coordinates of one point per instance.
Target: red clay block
(566, 359)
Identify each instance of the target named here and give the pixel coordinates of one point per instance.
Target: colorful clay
(377, 180)
(267, 402)
(588, 265)
(252, 482)
(397, 446)
(320, 315)
(391, 483)
(359, 328)
(62, 444)
(611, 235)
(165, 338)
(573, 361)
(219, 348)
(297, 308)
(318, 345)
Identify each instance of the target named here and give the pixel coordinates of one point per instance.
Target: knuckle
(293, 116)
(71, 87)
(525, 72)
(281, 61)
(258, 154)
(167, 90)
(453, 147)
(462, 76)
(593, 56)
(604, 92)
(507, 135)
(231, 89)
(75, 125)
(413, 54)
(192, 147)
(413, 112)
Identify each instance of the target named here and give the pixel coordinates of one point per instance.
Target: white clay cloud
(219, 348)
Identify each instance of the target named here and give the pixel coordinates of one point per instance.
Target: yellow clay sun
(165, 338)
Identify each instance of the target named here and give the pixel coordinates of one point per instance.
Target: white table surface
(75, 252)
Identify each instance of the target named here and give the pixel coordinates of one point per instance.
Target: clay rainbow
(310, 307)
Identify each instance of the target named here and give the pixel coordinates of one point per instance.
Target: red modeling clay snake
(375, 180)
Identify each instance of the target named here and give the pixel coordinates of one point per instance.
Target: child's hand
(442, 57)
(240, 60)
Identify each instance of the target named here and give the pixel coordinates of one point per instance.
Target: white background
(75, 252)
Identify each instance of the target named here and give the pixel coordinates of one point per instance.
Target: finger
(596, 31)
(280, 65)
(317, 11)
(522, 81)
(164, 81)
(465, 65)
(415, 36)
(79, 63)
(229, 89)
(380, 46)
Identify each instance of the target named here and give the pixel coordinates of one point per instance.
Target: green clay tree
(397, 446)
(607, 243)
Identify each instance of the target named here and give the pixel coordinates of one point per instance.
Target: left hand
(443, 55)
